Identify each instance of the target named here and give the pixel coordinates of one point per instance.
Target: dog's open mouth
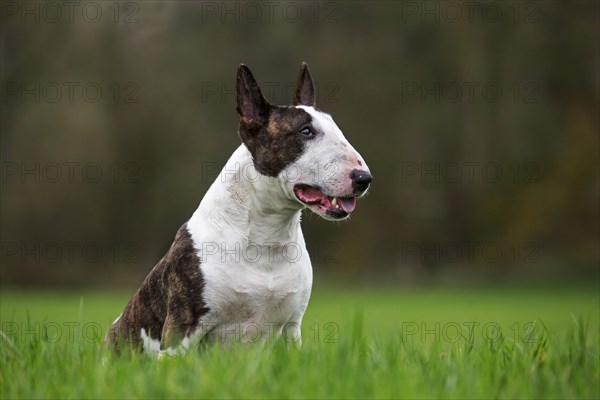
(335, 207)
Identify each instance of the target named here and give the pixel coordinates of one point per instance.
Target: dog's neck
(244, 207)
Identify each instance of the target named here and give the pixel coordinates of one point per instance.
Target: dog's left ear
(305, 88)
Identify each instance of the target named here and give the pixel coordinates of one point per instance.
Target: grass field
(363, 343)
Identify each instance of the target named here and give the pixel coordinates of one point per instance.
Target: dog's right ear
(305, 88)
(252, 107)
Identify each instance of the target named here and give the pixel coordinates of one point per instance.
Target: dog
(238, 269)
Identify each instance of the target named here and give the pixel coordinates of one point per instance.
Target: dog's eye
(306, 131)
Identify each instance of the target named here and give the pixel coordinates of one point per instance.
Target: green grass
(379, 343)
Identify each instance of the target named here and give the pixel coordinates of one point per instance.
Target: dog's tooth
(334, 202)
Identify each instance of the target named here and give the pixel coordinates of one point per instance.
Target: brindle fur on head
(270, 132)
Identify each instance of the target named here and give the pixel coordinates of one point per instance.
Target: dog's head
(302, 147)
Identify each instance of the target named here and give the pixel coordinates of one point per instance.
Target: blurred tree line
(479, 122)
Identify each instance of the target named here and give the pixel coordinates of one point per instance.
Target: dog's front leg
(171, 337)
(180, 334)
(292, 331)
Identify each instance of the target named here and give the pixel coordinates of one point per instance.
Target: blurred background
(479, 121)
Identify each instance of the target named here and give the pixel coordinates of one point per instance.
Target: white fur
(151, 346)
(328, 159)
(254, 261)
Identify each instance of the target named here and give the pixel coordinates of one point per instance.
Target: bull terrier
(239, 268)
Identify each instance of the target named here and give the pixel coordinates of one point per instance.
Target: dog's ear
(305, 89)
(252, 107)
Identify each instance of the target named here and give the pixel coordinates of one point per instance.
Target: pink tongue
(348, 204)
(310, 195)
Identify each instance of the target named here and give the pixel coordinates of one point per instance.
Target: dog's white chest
(253, 259)
(248, 300)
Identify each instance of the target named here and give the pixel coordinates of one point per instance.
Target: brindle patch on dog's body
(169, 303)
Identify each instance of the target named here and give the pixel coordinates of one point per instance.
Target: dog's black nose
(360, 179)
